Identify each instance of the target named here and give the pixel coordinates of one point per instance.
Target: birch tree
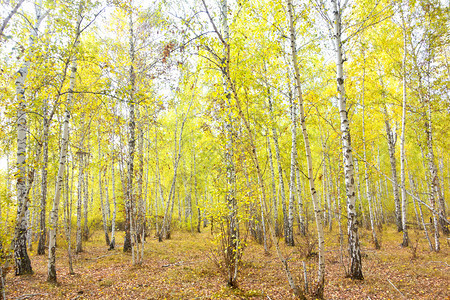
(127, 244)
(51, 269)
(352, 223)
(22, 260)
(315, 199)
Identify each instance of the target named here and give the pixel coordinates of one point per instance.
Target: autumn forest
(224, 149)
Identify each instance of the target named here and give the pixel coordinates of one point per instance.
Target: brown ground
(184, 268)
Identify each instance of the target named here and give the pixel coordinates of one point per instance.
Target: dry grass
(183, 268)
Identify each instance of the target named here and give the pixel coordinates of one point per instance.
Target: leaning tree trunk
(352, 223)
(317, 210)
(21, 258)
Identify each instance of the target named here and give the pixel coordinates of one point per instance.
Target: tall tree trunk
(358, 194)
(79, 246)
(352, 223)
(317, 210)
(128, 244)
(42, 222)
(112, 243)
(436, 193)
(140, 182)
(289, 238)
(100, 189)
(280, 168)
(68, 223)
(301, 214)
(366, 164)
(414, 190)
(31, 214)
(326, 190)
(165, 230)
(274, 189)
(231, 201)
(51, 267)
(391, 139)
(86, 197)
(21, 258)
(402, 144)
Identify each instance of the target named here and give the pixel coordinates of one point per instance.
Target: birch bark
(274, 189)
(289, 238)
(402, 142)
(21, 258)
(51, 267)
(315, 200)
(128, 243)
(42, 222)
(366, 165)
(280, 168)
(352, 223)
(391, 138)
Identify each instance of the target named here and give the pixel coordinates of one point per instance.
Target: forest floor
(184, 267)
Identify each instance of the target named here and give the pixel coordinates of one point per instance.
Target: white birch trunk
(42, 222)
(21, 258)
(402, 146)
(358, 193)
(79, 246)
(274, 189)
(301, 214)
(100, 189)
(289, 238)
(434, 193)
(366, 165)
(128, 242)
(86, 197)
(352, 225)
(391, 138)
(68, 224)
(315, 200)
(113, 221)
(280, 168)
(51, 267)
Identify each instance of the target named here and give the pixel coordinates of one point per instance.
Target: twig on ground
(439, 262)
(95, 258)
(396, 288)
(174, 264)
(29, 296)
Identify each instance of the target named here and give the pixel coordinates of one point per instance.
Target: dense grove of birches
(274, 119)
